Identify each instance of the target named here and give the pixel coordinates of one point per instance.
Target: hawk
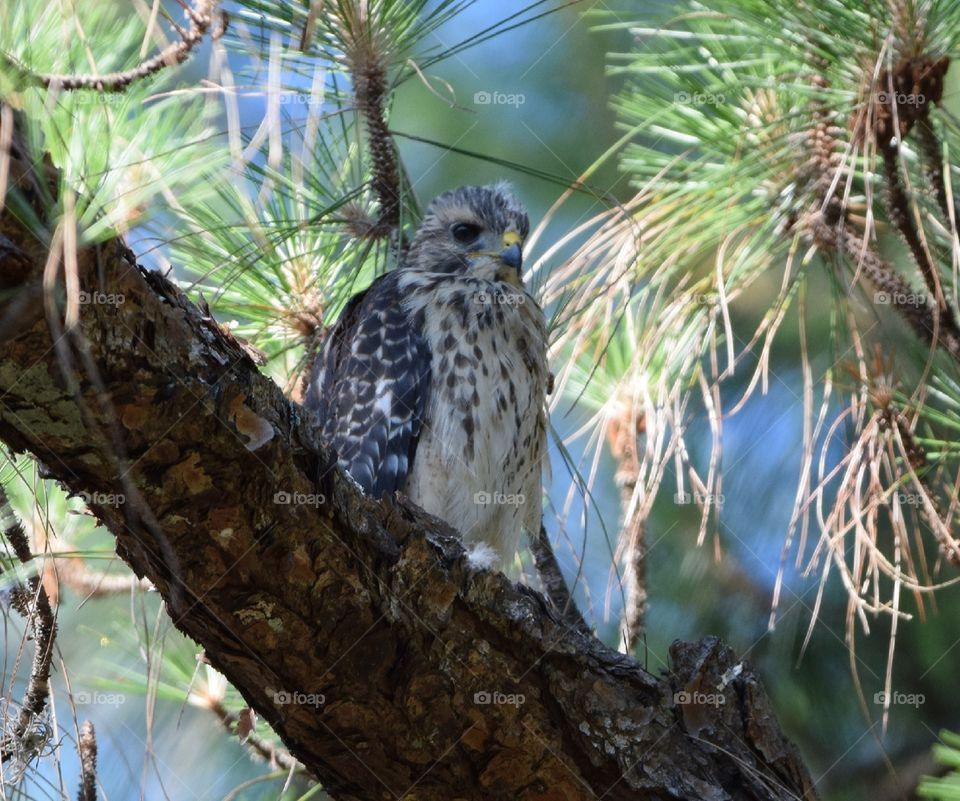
(433, 380)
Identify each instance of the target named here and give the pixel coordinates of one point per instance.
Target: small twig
(370, 84)
(933, 164)
(910, 89)
(6, 141)
(623, 435)
(830, 228)
(201, 19)
(13, 531)
(554, 583)
(922, 316)
(366, 58)
(265, 750)
(87, 749)
(32, 602)
(633, 622)
(898, 210)
(77, 575)
(310, 26)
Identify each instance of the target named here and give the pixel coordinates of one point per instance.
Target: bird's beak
(512, 259)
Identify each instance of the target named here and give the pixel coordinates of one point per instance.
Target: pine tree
(759, 137)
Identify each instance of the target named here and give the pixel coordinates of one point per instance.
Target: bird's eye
(465, 233)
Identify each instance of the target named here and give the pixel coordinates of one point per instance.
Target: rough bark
(354, 627)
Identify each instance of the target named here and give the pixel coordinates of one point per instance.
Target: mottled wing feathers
(370, 385)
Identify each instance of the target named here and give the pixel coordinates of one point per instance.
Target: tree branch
(32, 603)
(388, 667)
(236, 723)
(554, 584)
(87, 748)
(201, 18)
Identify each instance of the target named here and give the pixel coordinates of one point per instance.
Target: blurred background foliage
(241, 170)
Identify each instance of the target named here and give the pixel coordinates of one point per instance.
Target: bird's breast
(482, 445)
(489, 368)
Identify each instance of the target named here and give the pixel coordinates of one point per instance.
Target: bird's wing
(370, 385)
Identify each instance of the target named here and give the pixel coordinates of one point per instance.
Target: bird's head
(476, 230)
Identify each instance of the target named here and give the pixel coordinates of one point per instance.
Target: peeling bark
(355, 627)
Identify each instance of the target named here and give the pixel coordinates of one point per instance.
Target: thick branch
(389, 669)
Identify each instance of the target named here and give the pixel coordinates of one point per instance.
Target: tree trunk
(355, 627)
